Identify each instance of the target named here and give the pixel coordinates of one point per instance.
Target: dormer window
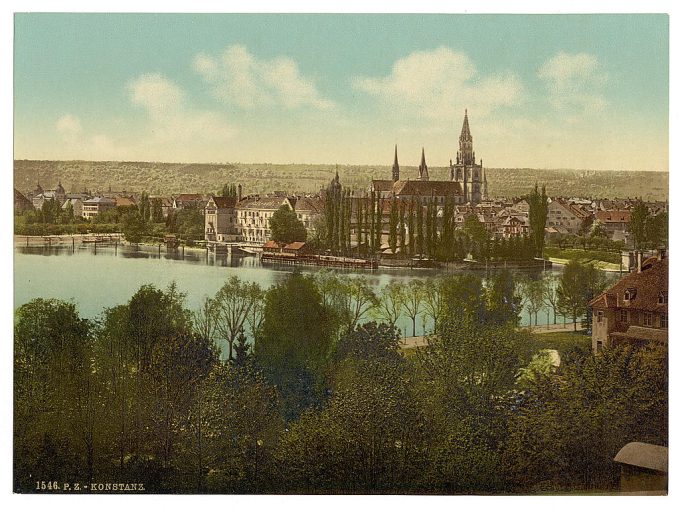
(629, 294)
(663, 298)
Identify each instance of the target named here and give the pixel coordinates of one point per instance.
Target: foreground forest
(323, 403)
(174, 178)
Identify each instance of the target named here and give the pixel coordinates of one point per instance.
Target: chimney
(240, 192)
(638, 260)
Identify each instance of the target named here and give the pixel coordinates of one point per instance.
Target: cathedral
(466, 184)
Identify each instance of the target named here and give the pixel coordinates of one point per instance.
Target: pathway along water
(109, 276)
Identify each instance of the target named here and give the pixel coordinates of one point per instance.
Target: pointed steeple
(465, 132)
(465, 154)
(422, 169)
(395, 166)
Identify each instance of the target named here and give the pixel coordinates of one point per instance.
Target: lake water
(96, 281)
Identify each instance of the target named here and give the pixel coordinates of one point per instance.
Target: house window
(599, 346)
(663, 298)
(600, 316)
(663, 321)
(629, 294)
(647, 319)
(623, 316)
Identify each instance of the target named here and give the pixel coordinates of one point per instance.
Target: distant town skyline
(542, 91)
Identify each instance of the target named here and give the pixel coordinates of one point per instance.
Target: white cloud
(171, 119)
(78, 143)
(574, 81)
(240, 78)
(69, 125)
(156, 93)
(440, 83)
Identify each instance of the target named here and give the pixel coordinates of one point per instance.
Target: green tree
(638, 223)
(565, 431)
(232, 306)
(475, 230)
(295, 341)
(657, 230)
(578, 284)
(229, 190)
(538, 215)
(393, 224)
(391, 302)
(133, 228)
(286, 227)
(55, 403)
(156, 210)
(414, 293)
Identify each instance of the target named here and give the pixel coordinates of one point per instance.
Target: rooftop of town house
(189, 197)
(636, 332)
(613, 216)
(257, 202)
(294, 246)
(643, 455)
(426, 188)
(124, 201)
(643, 289)
(308, 204)
(99, 200)
(223, 202)
(382, 185)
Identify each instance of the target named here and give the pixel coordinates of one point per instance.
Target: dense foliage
(326, 402)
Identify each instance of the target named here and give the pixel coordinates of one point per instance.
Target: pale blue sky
(571, 91)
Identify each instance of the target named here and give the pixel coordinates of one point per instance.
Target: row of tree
(322, 404)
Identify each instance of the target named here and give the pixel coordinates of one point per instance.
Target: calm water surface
(96, 281)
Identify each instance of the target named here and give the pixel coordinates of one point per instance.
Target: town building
(21, 203)
(467, 170)
(220, 219)
(614, 222)
(40, 195)
(467, 178)
(77, 205)
(247, 219)
(644, 469)
(97, 205)
(564, 217)
(635, 309)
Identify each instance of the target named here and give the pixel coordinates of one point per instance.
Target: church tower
(466, 168)
(395, 166)
(422, 169)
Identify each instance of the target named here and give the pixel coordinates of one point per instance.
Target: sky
(542, 91)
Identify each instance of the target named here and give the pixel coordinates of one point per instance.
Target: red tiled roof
(383, 185)
(647, 284)
(613, 216)
(294, 245)
(224, 202)
(427, 188)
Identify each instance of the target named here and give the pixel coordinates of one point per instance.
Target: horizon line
(212, 163)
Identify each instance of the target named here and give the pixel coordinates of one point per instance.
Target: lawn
(585, 256)
(561, 341)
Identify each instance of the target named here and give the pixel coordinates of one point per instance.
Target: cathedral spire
(465, 154)
(395, 166)
(422, 169)
(465, 131)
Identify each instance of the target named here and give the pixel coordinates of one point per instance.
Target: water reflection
(99, 277)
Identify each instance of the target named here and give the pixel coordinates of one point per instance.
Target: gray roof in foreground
(640, 454)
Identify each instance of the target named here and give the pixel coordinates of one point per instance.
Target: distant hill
(172, 178)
